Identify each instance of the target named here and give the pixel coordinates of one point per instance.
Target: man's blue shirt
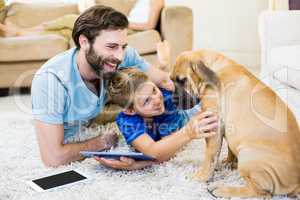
(60, 96)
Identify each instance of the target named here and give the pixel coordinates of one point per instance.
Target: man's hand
(168, 84)
(164, 54)
(202, 125)
(124, 163)
(103, 142)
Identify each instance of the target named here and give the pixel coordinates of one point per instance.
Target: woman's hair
(95, 19)
(124, 84)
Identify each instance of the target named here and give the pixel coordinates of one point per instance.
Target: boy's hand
(202, 125)
(124, 163)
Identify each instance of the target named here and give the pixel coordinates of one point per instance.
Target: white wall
(229, 26)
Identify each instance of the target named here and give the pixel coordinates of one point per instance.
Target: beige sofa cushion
(31, 48)
(145, 41)
(123, 6)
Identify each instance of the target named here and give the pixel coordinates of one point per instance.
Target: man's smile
(110, 67)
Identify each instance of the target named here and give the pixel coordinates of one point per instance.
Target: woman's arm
(155, 8)
(199, 126)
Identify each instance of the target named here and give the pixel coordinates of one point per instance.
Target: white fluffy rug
(20, 161)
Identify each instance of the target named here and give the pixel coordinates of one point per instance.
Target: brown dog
(260, 130)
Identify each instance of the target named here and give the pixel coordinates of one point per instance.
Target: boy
(150, 121)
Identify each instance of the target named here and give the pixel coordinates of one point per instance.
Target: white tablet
(60, 180)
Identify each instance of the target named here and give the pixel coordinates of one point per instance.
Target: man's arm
(52, 148)
(160, 78)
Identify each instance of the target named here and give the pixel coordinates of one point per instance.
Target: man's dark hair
(96, 19)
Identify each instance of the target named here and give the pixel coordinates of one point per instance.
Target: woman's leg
(61, 26)
(10, 29)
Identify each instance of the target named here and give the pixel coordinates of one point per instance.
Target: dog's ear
(208, 77)
(199, 68)
(195, 68)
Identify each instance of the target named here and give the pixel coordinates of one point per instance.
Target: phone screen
(59, 179)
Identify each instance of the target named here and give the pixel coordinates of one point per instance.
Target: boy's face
(148, 100)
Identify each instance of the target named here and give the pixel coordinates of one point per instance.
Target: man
(69, 90)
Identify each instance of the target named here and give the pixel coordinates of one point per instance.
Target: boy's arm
(200, 126)
(163, 149)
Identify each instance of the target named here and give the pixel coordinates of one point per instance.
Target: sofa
(279, 33)
(20, 57)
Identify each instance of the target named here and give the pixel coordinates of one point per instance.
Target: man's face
(107, 51)
(148, 100)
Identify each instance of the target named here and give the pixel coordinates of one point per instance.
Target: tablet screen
(59, 179)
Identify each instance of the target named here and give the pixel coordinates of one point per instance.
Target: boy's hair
(96, 19)
(124, 84)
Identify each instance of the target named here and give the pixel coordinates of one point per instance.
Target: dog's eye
(181, 80)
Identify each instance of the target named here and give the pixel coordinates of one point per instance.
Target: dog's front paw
(203, 175)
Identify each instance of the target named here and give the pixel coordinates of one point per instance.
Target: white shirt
(140, 12)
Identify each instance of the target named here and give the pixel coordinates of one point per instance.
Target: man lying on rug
(150, 121)
(69, 90)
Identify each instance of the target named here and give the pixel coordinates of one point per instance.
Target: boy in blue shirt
(150, 121)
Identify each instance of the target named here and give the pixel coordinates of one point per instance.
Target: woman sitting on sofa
(143, 16)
